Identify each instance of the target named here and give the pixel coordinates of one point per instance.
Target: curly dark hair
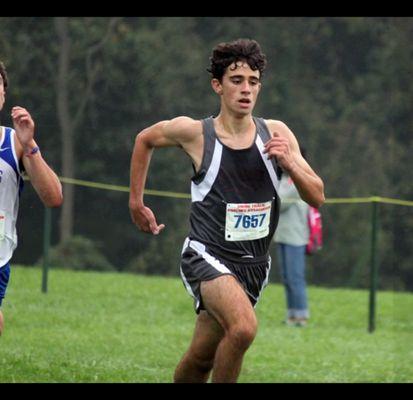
(224, 54)
(3, 74)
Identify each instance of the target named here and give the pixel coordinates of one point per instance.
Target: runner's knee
(203, 363)
(242, 335)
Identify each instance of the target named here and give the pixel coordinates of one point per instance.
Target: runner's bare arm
(284, 146)
(42, 177)
(182, 132)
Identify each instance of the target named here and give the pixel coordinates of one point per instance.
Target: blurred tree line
(342, 84)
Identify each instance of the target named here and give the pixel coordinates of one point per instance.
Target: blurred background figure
(291, 237)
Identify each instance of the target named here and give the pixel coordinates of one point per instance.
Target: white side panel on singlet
(198, 192)
(10, 182)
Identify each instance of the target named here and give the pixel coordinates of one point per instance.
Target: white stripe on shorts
(265, 283)
(200, 249)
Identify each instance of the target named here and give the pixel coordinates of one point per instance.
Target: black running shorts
(198, 265)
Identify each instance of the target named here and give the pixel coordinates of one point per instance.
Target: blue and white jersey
(11, 185)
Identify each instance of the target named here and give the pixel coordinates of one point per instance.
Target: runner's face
(240, 87)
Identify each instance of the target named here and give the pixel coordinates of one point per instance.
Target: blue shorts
(4, 280)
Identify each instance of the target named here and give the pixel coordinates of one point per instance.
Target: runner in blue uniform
(19, 152)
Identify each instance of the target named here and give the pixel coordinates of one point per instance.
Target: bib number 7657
(247, 221)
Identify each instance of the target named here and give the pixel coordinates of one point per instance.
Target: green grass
(105, 327)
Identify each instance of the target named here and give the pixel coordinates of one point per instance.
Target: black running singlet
(235, 205)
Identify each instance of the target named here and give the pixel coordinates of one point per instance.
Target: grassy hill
(112, 327)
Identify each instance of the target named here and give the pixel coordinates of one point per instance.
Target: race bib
(247, 221)
(2, 224)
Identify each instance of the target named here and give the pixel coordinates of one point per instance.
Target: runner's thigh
(227, 302)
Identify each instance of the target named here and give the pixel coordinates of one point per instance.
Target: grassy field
(104, 327)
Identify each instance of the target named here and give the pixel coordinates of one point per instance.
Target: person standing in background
(292, 236)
